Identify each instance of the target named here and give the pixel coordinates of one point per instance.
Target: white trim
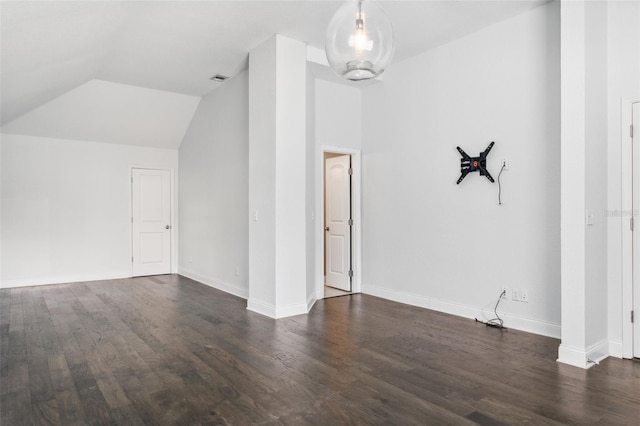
(278, 312)
(572, 356)
(356, 190)
(615, 349)
(65, 279)
(291, 310)
(583, 358)
(317, 56)
(311, 300)
(173, 212)
(265, 309)
(216, 283)
(597, 352)
(627, 236)
(467, 311)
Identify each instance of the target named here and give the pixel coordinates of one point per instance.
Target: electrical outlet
(505, 290)
(516, 294)
(524, 296)
(505, 164)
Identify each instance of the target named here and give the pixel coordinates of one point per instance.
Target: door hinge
(631, 224)
(350, 171)
(631, 316)
(631, 131)
(132, 220)
(350, 273)
(350, 222)
(131, 259)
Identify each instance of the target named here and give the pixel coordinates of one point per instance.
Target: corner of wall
(276, 312)
(586, 358)
(236, 290)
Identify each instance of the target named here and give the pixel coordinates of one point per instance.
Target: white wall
(290, 165)
(310, 191)
(214, 158)
(66, 208)
(338, 115)
(572, 349)
(262, 135)
(596, 176)
(338, 126)
(430, 242)
(277, 178)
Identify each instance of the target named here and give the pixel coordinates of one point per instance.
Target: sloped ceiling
(103, 111)
(51, 47)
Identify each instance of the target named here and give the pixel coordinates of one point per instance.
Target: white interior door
(337, 222)
(151, 222)
(636, 232)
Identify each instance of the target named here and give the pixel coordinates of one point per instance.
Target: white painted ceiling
(102, 111)
(51, 47)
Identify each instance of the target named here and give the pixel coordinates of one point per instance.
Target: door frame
(172, 211)
(349, 170)
(356, 239)
(627, 235)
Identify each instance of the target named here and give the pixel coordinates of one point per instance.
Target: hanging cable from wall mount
(504, 165)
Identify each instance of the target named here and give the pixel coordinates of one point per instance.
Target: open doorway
(630, 295)
(338, 224)
(635, 250)
(339, 248)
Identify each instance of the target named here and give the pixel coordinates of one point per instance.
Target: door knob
(326, 228)
(167, 227)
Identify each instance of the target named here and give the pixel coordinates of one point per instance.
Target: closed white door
(338, 222)
(151, 222)
(636, 232)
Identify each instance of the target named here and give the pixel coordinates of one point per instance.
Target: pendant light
(359, 42)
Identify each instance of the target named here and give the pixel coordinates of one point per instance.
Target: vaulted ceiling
(52, 47)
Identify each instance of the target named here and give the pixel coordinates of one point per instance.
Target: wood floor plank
(46, 413)
(166, 350)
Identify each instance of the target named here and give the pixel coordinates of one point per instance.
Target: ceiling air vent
(219, 78)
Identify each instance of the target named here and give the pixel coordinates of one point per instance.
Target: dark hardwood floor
(167, 350)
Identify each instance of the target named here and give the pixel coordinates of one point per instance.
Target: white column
(573, 191)
(277, 138)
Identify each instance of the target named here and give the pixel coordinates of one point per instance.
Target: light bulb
(359, 42)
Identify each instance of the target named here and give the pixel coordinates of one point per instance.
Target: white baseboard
(217, 284)
(615, 349)
(311, 300)
(276, 312)
(467, 311)
(291, 310)
(64, 279)
(583, 358)
(261, 308)
(252, 304)
(572, 356)
(597, 352)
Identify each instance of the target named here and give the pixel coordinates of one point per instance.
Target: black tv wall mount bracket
(472, 164)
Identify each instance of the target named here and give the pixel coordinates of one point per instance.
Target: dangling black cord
(500, 186)
(496, 322)
(500, 322)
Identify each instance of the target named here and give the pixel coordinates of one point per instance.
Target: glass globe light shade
(359, 42)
